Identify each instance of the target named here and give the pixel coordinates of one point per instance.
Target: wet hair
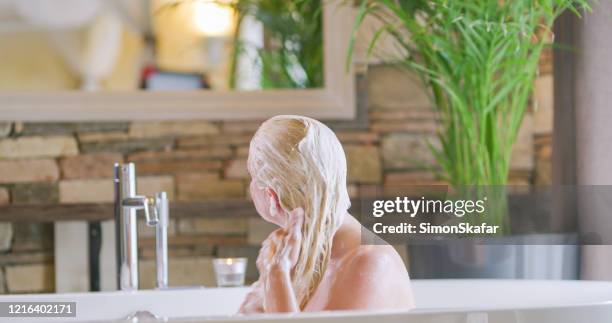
(302, 160)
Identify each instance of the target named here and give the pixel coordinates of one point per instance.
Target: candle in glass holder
(230, 272)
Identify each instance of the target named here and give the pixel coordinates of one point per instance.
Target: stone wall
(49, 163)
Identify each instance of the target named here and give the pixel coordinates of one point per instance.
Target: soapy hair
(302, 160)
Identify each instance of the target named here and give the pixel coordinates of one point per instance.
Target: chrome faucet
(155, 210)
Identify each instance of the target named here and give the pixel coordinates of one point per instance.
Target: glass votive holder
(230, 272)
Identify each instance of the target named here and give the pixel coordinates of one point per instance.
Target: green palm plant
(479, 59)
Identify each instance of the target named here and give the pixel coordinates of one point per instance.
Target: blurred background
(160, 45)
(55, 177)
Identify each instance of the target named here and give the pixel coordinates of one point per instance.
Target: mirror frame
(335, 100)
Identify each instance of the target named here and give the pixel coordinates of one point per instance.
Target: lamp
(213, 18)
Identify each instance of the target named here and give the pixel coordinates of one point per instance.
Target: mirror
(160, 45)
(109, 60)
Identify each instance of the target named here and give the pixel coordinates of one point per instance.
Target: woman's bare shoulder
(374, 257)
(370, 278)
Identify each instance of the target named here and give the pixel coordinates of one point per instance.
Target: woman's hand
(282, 247)
(267, 250)
(287, 252)
(254, 301)
(279, 255)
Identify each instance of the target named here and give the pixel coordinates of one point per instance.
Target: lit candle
(230, 271)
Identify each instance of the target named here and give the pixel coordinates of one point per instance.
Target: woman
(315, 260)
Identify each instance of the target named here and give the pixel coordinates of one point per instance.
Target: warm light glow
(212, 18)
(229, 261)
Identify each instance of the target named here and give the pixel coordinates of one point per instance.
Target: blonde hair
(302, 160)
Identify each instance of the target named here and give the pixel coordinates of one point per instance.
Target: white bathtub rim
(195, 289)
(605, 302)
(364, 313)
(436, 310)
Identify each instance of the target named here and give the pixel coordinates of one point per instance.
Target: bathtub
(438, 301)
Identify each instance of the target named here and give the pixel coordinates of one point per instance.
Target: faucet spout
(155, 210)
(161, 240)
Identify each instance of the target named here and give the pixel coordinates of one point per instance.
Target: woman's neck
(347, 237)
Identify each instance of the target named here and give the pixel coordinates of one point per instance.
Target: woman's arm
(279, 294)
(253, 302)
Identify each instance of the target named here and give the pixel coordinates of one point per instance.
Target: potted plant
(479, 60)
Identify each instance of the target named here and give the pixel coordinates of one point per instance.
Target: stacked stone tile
(62, 163)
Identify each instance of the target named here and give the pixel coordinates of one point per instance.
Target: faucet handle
(151, 211)
(149, 206)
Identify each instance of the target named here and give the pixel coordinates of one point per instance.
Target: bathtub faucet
(155, 210)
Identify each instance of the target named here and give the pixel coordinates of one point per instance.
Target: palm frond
(479, 60)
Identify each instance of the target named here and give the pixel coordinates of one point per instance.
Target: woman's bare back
(362, 276)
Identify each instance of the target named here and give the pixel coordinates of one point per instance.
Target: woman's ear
(276, 210)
